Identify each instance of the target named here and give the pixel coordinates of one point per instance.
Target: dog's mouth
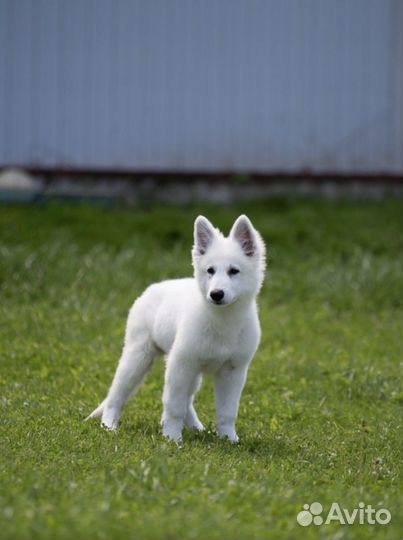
(217, 302)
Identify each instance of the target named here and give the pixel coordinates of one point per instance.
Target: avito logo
(364, 514)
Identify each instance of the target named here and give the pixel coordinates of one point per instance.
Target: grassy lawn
(320, 418)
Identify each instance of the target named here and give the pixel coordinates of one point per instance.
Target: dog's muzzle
(217, 296)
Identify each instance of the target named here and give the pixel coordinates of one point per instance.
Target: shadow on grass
(258, 446)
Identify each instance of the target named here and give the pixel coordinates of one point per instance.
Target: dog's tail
(98, 411)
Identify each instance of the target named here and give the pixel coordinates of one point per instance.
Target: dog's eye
(210, 270)
(232, 271)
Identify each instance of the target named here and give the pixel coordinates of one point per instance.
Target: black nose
(217, 295)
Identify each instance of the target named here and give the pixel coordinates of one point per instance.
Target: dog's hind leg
(98, 411)
(134, 364)
(192, 420)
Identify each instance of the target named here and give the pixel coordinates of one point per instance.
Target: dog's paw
(113, 426)
(172, 431)
(234, 439)
(173, 438)
(195, 426)
(228, 432)
(110, 419)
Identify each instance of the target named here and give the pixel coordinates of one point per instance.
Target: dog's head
(231, 268)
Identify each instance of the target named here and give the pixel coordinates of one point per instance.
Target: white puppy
(206, 324)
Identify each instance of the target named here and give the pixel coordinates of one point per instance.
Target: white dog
(206, 324)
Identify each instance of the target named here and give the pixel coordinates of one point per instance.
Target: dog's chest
(219, 347)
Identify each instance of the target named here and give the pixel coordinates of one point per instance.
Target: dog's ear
(204, 233)
(243, 232)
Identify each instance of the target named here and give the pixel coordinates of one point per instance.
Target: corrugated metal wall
(287, 85)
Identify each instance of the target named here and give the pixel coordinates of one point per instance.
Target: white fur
(179, 318)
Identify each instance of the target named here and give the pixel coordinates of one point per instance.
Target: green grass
(320, 418)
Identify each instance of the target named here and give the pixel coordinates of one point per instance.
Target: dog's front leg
(180, 379)
(229, 383)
